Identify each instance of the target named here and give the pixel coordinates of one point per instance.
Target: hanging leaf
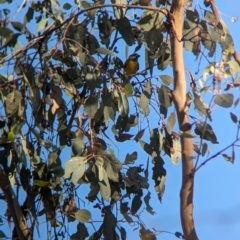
(91, 106)
(167, 80)
(204, 149)
(234, 117)
(125, 29)
(201, 106)
(83, 215)
(78, 172)
(171, 122)
(146, 147)
(128, 89)
(224, 100)
(42, 24)
(123, 105)
(145, 99)
(164, 99)
(206, 132)
(146, 200)
(130, 158)
(139, 135)
(146, 234)
(227, 158)
(105, 189)
(72, 164)
(136, 204)
(67, 6)
(105, 51)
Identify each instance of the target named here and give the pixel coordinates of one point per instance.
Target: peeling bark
(179, 98)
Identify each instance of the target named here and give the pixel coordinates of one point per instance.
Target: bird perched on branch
(131, 65)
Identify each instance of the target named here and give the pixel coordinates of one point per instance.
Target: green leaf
(78, 145)
(85, 4)
(146, 147)
(17, 26)
(145, 99)
(224, 100)
(130, 158)
(171, 122)
(125, 29)
(146, 200)
(123, 233)
(73, 164)
(166, 79)
(105, 51)
(204, 149)
(40, 183)
(206, 132)
(105, 189)
(67, 6)
(42, 24)
(57, 170)
(123, 104)
(234, 117)
(83, 215)
(136, 204)
(201, 106)
(234, 66)
(29, 15)
(209, 17)
(227, 158)
(139, 135)
(128, 89)
(2, 235)
(91, 106)
(164, 99)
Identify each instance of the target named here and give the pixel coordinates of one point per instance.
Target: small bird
(131, 65)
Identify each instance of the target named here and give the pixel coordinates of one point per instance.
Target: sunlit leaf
(83, 215)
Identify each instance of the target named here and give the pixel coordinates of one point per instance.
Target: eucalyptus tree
(63, 86)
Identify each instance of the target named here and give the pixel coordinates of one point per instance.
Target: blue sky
(217, 184)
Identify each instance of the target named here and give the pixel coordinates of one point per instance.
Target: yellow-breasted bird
(131, 65)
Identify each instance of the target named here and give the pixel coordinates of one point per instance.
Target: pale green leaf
(83, 215)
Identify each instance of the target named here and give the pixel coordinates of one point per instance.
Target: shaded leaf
(206, 132)
(91, 106)
(204, 149)
(145, 99)
(130, 158)
(234, 117)
(146, 200)
(227, 158)
(139, 135)
(136, 204)
(224, 100)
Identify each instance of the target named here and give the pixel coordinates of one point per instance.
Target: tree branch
(179, 98)
(14, 208)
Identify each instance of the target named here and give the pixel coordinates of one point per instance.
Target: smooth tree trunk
(179, 98)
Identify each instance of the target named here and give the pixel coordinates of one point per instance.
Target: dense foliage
(63, 85)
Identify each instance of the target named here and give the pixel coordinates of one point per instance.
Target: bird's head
(134, 56)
